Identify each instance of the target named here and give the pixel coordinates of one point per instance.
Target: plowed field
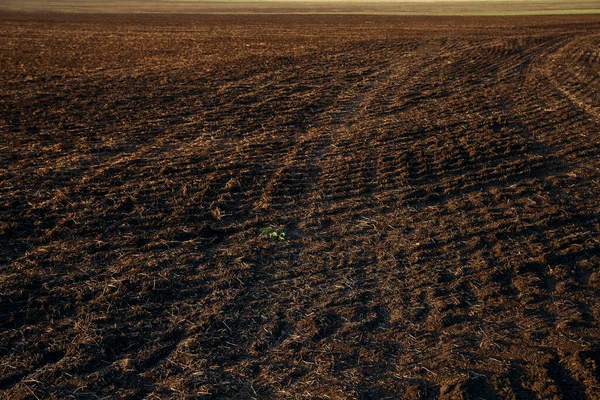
(437, 181)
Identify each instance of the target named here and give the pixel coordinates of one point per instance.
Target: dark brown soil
(379, 7)
(437, 180)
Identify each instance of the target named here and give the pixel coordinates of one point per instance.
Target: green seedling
(274, 234)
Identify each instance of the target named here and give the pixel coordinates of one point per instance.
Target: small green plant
(274, 234)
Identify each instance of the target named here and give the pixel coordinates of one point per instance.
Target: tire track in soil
(292, 186)
(550, 170)
(560, 75)
(301, 158)
(558, 229)
(431, 160)
(363, 268)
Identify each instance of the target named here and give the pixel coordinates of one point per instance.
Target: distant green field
(391, 7)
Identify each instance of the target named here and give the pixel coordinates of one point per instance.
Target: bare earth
(385, 7)
(437, 180)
